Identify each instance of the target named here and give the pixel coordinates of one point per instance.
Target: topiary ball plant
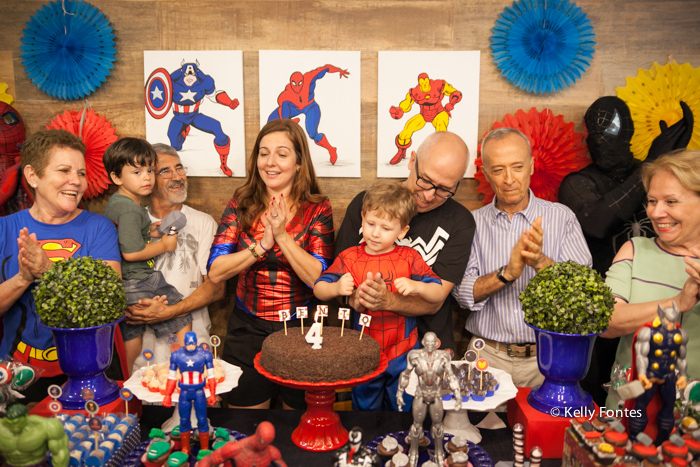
(568, 298)
(79, 292)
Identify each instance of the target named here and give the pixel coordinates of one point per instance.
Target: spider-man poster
(194, 103)
(421, 93)
(321, 91)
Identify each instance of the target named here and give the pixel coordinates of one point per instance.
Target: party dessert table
(498, 443)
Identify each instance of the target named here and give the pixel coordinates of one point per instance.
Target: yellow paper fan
(4, 97)
(655, 95)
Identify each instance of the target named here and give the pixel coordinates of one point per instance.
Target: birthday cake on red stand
(323, 360)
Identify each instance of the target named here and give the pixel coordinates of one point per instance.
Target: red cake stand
(320, 428)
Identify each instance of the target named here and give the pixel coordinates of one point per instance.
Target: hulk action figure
(24, 439)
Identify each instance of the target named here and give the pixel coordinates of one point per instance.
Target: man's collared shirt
(500, 316)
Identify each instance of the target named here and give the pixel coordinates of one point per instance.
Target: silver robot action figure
(430, 364)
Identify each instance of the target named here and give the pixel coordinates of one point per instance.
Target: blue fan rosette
(68, 49)
(542, 46)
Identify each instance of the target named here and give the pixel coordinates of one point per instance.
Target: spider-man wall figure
(253, 451)
(298, 98)
(428, 95)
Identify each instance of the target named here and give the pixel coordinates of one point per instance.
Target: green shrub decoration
(568, 298)
(79, 292)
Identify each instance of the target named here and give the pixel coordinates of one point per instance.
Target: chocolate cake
(339, 359)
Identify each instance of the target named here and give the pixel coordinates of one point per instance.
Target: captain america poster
(194, 103)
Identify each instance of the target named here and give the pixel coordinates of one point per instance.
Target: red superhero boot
(185, 440)
(204, 440)
(331, 150)
(185, 132)
(211, 400)
(402, 151)
(223, 154)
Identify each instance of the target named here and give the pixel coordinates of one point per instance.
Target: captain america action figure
(193, 362)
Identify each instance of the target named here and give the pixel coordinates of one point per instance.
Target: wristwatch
(251, 248)
(501, 277)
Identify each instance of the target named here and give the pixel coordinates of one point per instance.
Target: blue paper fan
(68, 49)
(542, 46)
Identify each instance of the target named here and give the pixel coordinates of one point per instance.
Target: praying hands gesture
(33, 262)
(276, 217)
(532, 240)
(528, 252)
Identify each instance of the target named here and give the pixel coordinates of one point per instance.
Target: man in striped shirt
(517, 235)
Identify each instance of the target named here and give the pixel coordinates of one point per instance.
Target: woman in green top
(648, 272)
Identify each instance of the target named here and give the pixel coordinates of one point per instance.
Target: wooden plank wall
(629, 35)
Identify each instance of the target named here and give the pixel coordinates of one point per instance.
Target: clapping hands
(33, 262)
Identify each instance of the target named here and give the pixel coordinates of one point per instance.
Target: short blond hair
(390, 200)
(684, 164)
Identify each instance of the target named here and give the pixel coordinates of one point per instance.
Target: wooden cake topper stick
(284, 317)
(343, 315)
(94, 423)
(215, 341)
(364, 322)
(126, 396)
(55, 392)
(481, 365)
(478, 346)
(148, 356)
(302, 312)
(470, 356)
(323, 309)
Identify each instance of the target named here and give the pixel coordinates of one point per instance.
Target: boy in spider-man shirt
(386, 211)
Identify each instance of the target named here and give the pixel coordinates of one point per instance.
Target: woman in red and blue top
(276, 235)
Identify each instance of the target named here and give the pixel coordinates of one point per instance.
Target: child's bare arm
(328, 290)
(428, 291)
(155, 233)
(167, 243)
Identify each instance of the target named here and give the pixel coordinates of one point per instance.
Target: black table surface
(498, 443)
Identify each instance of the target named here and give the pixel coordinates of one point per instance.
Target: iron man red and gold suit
(428, 95)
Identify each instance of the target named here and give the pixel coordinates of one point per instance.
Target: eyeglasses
(167, 173)
(426, 185)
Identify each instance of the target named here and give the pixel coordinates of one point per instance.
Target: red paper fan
(556, 148)
(97, 134)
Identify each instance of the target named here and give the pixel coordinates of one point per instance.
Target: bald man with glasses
(441, 232)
